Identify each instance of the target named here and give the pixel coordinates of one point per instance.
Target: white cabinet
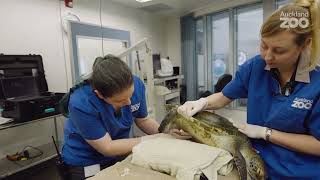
(170, 94)
(166, 91)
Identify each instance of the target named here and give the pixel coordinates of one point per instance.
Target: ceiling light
(143, 1)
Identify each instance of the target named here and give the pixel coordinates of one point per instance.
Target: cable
(25, 154)
(100, 14)
(35, 148)
(63, 46)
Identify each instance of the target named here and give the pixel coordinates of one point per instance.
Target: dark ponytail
(64, 101)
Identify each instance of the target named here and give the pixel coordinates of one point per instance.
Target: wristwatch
(268, 133)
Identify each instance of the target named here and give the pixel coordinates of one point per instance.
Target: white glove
(252, 131)
(190, 108)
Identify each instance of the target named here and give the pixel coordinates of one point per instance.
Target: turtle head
(169, 121)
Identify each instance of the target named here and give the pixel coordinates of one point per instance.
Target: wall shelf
(172, 97)
(13, 168)
(159, 80)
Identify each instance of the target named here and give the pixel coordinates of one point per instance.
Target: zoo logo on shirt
(302, 103)
(135, 107)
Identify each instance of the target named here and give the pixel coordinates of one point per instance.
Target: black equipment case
(24, 92)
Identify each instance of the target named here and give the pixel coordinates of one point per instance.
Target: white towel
(182, 159)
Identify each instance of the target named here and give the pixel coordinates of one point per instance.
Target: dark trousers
(68, 172)
(75, 173)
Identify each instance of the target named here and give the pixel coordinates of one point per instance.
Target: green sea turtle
(214, 130)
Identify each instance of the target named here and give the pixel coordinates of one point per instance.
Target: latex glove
(190, 108)
(252, 131)
(180, 134)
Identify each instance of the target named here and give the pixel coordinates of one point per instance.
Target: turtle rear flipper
(240, 163)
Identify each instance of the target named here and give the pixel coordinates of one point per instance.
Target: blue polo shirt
(297, 113)
(91, 118)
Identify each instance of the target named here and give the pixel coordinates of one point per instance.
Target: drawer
(172, 95)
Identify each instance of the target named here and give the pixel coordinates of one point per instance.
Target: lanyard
(288, 88)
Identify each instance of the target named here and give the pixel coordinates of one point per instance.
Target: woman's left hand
(180, 134)
(252, 131)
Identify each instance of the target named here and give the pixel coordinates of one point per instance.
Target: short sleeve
(238, 87)
(143, 110)
(313, 123)
(87, 122)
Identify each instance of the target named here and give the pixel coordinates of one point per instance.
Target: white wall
(173, 31)
(33, 26)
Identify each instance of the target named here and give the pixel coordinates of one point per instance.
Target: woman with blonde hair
(283, 91)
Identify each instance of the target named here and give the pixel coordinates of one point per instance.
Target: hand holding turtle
(180, 134)
(190, 108)
(252, 131)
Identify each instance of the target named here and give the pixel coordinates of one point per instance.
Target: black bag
(64, 103)
(24, 94)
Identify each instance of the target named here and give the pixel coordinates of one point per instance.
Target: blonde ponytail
(314, 9)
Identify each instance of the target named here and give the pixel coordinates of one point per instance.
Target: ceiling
(168, 7)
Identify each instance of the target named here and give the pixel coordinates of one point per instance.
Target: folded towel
(182, 159)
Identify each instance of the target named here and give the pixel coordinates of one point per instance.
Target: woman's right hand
(190, 108)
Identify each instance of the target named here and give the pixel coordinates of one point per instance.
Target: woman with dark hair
(101, 113)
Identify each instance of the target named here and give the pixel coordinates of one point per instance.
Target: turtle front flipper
(240, 163)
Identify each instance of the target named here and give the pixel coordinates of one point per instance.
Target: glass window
(215, 55)
(280, 3)
(248, 23)
(200, 56)
(220, 46)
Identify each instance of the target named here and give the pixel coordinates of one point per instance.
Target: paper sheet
(5, 120)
